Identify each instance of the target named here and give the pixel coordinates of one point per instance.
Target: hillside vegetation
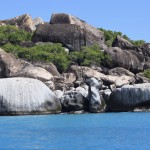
(111, 35)
(11, 36)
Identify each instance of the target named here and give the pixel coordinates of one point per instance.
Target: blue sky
(131, 17)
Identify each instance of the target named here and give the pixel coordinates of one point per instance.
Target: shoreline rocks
(22, 96)
(109, 86)
(129, 97)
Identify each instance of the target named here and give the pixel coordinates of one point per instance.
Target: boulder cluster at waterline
(35, 83)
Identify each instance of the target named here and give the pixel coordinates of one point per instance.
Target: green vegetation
(111, 35)
(54, 53)
(147, 73)
(11, 34)
(88, 56)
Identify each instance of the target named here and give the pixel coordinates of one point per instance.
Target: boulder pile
(38, 88)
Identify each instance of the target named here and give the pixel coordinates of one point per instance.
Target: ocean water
(105, 131)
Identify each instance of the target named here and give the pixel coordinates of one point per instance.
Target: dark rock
(73, 101)
(78, 82)
(70, 31)
(140, 78)
(104, 87)
(139, 55)
(122, 43)
(95, 101)
(9, 65)
(125, 59)
(146, 49)
(147, 63)
(129, 97)
(60, 18)
(27, 44)
(71, 36)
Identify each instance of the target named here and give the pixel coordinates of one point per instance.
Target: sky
(131, 17)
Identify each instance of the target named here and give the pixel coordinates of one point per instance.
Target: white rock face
(58, 93)
(83, 91)
(26, 96)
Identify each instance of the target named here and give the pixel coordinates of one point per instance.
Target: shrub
(11, 34)
(111, 35)
(54, 53)
(88, 56)
(147, 73)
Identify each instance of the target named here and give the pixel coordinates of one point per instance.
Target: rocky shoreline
(38, 88)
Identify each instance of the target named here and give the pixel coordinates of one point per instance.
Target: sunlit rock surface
(20, 96)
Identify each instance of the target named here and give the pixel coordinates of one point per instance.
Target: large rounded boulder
(124, 59)
(20, 96)
(72, 32)
(129, 97)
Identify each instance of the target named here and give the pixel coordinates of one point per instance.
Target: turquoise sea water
(106, 131)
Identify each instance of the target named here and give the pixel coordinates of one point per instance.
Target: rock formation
(9, 65)
(73, 101)
(129, 97)
(95, 101)
(123, 58)
(35, 72)
(115, 84)
(72, 32)
(20, 96)
(24, 22)
(122, 43)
